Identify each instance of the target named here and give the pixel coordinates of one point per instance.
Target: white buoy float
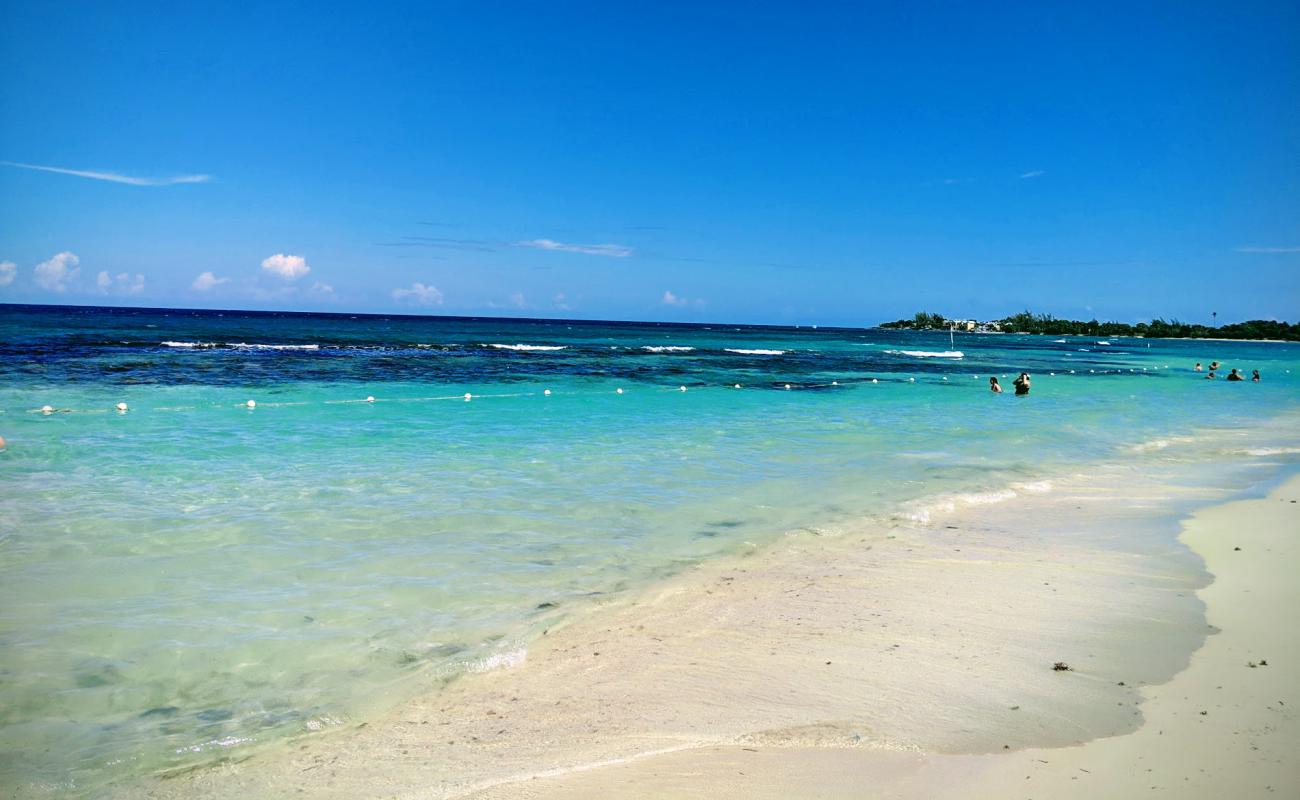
(121, 408)
(911, 380)
(619, 390)
(47, 409)
(787, 386)
(681, 388)
(835, 383)
(873, 380)
(737, 386)
(468, 397)
(251, 404)
(370, 398)
(546, 392)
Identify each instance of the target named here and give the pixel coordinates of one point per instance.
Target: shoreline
(750, 653)
(1225, 726)
(1095, 336)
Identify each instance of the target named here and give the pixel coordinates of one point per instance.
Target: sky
(790, 163)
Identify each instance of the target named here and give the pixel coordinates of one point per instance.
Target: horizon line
(812, 325)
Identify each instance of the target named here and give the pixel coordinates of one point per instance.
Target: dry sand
(873, 663)
(1224, 727)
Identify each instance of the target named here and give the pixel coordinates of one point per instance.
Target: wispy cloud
(1268, 249)
(444, 242)
(670, 299)
(58, 273)
(419, 294)
(1033, 173)
(8, 271)
(115, 177)
(206, 281)
(611, 250)
(286, 266)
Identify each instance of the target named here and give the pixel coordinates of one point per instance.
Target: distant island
(1028, 322)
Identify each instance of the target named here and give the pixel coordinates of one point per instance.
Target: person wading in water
(1021, 383)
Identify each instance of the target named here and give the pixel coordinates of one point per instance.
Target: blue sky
(834, 164)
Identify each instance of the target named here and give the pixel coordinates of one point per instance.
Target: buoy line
(252, 404)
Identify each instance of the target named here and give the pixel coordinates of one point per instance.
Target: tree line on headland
(1028, 322)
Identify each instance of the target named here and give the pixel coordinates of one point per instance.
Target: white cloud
(516, 300)
(288, 267)
(8, 270)
(1268, 249)
(561, 302)
(611, 250)
(671, 299)
(322, 288)
(1033, 173)
(206, 281)
(58, 273)
(122, 283)
(115, 177)
(419, 294)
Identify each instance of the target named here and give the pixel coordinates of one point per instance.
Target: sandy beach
(1225, 726)
(912, 661)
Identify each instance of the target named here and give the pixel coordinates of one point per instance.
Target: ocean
(299, 521)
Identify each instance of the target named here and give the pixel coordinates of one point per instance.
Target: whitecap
(526, 347)
(928, 353)
(667, 348)
(247, 346)
(754, 351)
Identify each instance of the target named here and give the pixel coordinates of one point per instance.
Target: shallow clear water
(193, 577)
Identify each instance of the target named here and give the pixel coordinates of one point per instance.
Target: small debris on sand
(1061, 666)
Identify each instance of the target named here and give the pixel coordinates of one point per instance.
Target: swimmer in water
(994, 386)
(1021, 383)
(1210, 376)
(1235, 375)
(1197, 368)
(1254, 375)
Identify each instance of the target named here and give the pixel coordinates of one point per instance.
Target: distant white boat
(1103, 343)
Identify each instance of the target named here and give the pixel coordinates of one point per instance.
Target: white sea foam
(505, 660)
(526, 347)
(928, 353)
(667, 348)
(189, 345)
(1160, 444)
(754, 352)
(925, 511)
(1271, 451)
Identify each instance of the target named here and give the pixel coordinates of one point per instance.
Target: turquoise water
(194, 578)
